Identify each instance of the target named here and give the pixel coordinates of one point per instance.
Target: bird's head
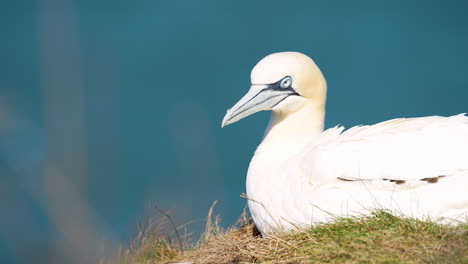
(281, 82)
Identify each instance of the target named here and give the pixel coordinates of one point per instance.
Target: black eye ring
(286, 82)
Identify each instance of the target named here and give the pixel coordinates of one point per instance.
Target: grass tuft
(378, 238)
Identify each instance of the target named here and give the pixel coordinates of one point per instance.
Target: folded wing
(423, 150)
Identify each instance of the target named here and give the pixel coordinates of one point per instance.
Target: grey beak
(258, 98)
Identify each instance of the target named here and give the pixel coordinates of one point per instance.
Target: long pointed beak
(258, 98)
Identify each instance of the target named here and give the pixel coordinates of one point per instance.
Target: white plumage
(301, 175)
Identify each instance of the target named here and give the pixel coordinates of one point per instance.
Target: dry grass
(154, 243)
(379, 238)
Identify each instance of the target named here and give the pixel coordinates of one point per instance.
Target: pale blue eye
(286, 82)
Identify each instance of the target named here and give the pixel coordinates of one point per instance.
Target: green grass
(382, 238)
(378, 238)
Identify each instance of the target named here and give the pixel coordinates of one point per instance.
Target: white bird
(301, 175)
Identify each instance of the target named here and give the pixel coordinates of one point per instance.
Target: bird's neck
(288, 133)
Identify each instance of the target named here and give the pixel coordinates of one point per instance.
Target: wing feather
(398, 150)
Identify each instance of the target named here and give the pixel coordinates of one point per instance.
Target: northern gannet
(301, 175)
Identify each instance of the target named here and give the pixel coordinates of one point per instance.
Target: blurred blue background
(107, 106)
